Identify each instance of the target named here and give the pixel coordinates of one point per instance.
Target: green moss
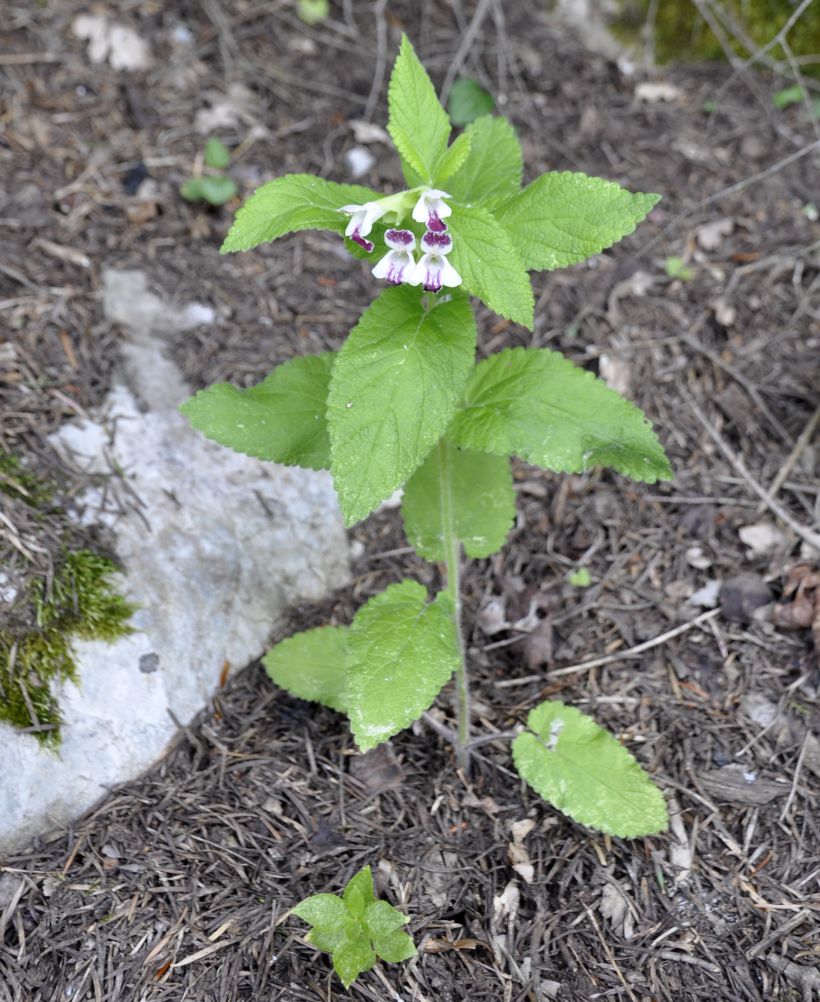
(682, 35)
(81, 602)
(17, 482)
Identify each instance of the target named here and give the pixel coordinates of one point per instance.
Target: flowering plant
(404, 404)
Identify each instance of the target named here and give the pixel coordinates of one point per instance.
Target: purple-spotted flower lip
(361, 221)
(400, 239)
(436, 243)
(399, 259)
(434, 271)
(431, 209)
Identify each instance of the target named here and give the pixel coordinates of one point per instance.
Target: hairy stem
(452, 551)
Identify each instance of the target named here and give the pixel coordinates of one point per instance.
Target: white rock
(215, 546)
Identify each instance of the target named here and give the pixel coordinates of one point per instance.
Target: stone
(215, 547)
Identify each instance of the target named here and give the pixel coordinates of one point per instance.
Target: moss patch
(682, 35)
(51, 609)
(81, 602)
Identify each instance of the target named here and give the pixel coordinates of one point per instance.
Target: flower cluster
(432, 271)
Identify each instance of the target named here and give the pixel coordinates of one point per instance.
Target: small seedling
(580, 578)
(676, 268)
(313, 11)
(404, 403)
(356, 928)
(214, 187)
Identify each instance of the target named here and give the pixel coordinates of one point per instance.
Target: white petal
(420, 213)
(449, 276)
(415, 273)
(381, 268)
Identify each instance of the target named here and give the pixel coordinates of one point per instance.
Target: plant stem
(452, 556)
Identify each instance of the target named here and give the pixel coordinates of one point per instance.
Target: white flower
(399, 258)
(434, 270)
(361, 222)
(431, 210)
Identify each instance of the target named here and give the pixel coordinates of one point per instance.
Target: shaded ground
(175, 887)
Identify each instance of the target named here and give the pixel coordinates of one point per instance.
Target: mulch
(177, 885)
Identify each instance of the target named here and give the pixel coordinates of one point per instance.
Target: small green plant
(580, 578)
(675, 267)
(403, 403)
(313, 11)
(356, 928)
(213, 187)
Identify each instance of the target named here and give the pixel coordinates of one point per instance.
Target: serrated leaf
(358, 893)
(353, 956)
(536, 404)
(311, 665)
(290, 203)
(401, 652)
(418, 124)
(492, 172)
(327, 938)
(565, 217)
(468, 101)
(394, 388)
(281, 419)
(395, 947)
(585, 772)
(382, 919)
(327, 911)
(451, 160)
(481, 500)
(484, 255)
(217, 154)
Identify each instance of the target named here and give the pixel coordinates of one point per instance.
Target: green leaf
(311, 665)
(323, 910)
(290, 203)
(382, 919)
(580, 578)
(217, 190)
(191, 190)
(492, 172)
(395, 947)
(564, 217)
(484, 255)
(418, 124)
(313, 11)
(452, 159)
(217, 154)
(395, 387)
(353, 956)
(358, 893)
(329, 938)
(401, 652)
(481, 500)
(788, 95)
(468, 101)
(281, 419)
(586, 773)
(676, 268)
(536, 404)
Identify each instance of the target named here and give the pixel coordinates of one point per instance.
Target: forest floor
(707, 317)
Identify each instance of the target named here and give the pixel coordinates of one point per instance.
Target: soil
(177, 886)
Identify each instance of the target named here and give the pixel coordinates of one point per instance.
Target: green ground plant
(404, 404)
